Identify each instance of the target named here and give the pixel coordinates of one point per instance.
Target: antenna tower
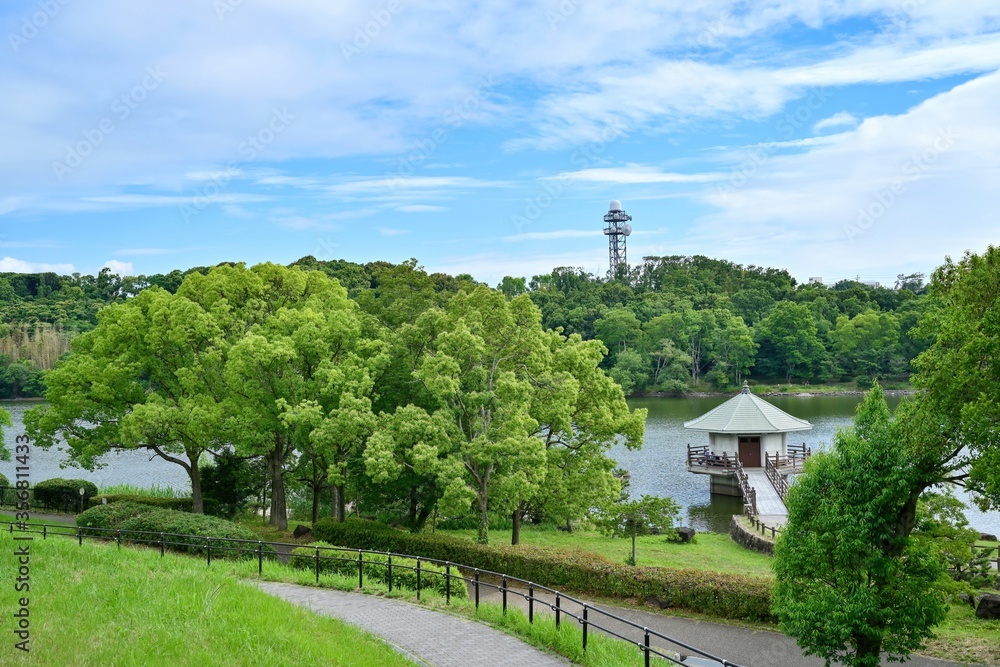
(617, 230)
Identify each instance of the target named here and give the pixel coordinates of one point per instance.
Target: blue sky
(834, 139)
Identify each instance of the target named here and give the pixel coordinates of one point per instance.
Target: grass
(153, 491)
(96, 605)
(270, 533)
(827, 388)
(964, 638)
(710, 551)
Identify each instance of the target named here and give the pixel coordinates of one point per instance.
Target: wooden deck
(770, 507)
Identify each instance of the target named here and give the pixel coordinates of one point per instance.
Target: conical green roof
(746, 413)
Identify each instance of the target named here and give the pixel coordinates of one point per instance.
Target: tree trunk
(315, 513)
(341, 504)
(413, 507)
(484, 529)
(633, 548)
(515, 532)
(425, 513)
(569, 526)
(279, 510)
(197, 502)
(868, 651)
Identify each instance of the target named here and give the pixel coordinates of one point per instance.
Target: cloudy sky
(834, 139)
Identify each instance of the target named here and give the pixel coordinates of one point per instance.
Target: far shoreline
(791, 394)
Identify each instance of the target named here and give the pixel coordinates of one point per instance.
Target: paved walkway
(432, 638)
(744, 646)
(769, 503)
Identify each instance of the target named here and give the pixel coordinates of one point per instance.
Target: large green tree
(850, 584)
(789, 344)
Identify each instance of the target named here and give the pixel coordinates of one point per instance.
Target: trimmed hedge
(151, 521)
(376, 568)
(58, 490)
(179, 504)
(714, 593)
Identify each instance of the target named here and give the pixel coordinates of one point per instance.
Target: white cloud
(898, 191)
(637, 174)
(839, 119)
(11, 265)
(120, 268)
(421, 208)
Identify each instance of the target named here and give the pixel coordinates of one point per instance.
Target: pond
(658, 468)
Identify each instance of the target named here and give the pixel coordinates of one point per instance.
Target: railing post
(531, 602)
(447, 583)
(45, 527)
(389, 572)
(260, 557)
(361, 570)
(163, 545)
(477, 589)
(584, 627)
(208, 552)
(557, 611)
(118, 538)
(418, 579)
(646, 645)
(79, 533)
(503, 590)
(317, 565)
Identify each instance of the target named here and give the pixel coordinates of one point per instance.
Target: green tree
(789, 345)
(867, 345)
(956, 427)
(149, 376)
(617, 329)
(850, 584)
(942, 524)
(648, 515)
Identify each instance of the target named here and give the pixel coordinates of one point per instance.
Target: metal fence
(589, 617)
(69, 503)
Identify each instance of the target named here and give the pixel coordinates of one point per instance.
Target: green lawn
(710, 551)
(96, 605)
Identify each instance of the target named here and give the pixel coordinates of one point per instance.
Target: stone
(967, 599)
(989, 606)
(987, 537)
(301, 530)
(685, 534)
(657, 602)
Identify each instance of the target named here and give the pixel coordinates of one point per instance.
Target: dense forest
(671, 324)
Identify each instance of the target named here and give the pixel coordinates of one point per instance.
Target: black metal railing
(68, 503)
(564, 606)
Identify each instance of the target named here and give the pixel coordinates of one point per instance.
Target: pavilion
(749, 430)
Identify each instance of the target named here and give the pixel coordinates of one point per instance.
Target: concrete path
(430, 637)
(744, 646)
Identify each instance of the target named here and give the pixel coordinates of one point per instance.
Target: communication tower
(617, 230)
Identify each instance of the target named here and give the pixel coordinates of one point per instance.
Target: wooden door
(749, 452)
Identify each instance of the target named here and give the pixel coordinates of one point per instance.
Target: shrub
(376, 568)
(3, 480)
(110, 516)
(59, 491)
(228, 483)
(179, 504)
(151, 521)
(715, 593)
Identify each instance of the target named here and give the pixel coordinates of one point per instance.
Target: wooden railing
(777, 480)
(700, 457)
(761, 526)
(749, 493)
